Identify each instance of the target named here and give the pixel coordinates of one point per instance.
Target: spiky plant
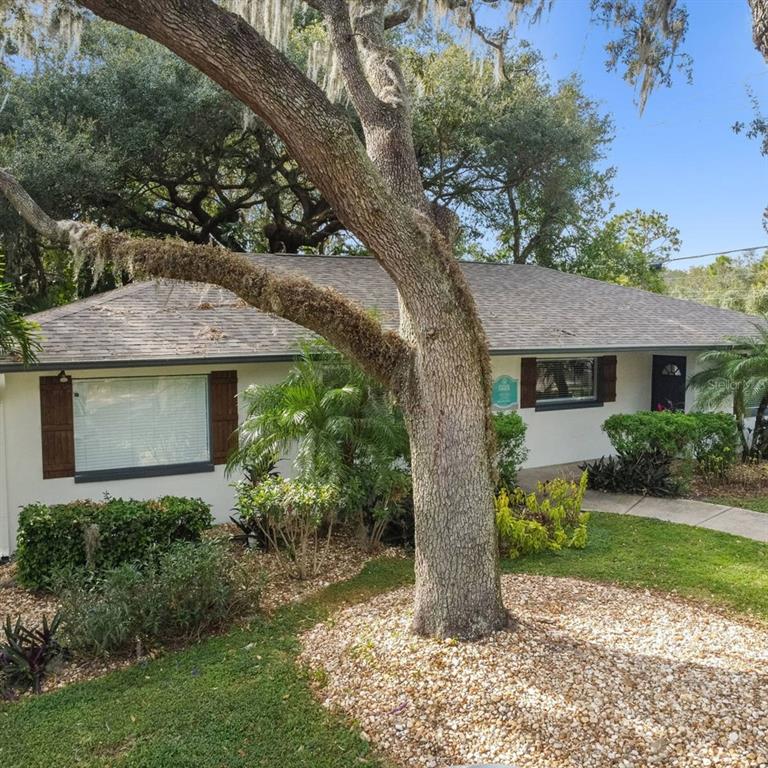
(19, 337)
(335, 417)
(738, 375)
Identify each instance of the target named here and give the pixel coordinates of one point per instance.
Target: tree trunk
(458, 591)
(759, 10)
(446, 402)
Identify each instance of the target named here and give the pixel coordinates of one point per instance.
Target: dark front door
(668, 383)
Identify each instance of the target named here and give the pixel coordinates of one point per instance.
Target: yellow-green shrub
(548, 519)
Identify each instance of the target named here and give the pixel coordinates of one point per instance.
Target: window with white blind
(134, 425)
(566, 381)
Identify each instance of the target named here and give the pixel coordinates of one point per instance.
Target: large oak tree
(437, 366)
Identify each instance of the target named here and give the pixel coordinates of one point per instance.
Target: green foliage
(123, 132)
(510, 439)
(738, 376)
(289, 513)
(19, 338)
(649, 442)
(715, 444)
(519, 158)
(101, 535)
(629, 249)
(667, 433)
(739, 283)
(548, 519)
(649, 474)
(175, 594)
(28, 654)
(344, 429)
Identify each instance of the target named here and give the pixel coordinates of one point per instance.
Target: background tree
(126, 134)
(438, 366)
(629, 249)
(516, 158)
(739, 283)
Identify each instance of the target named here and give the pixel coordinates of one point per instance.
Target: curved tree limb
(231, 52)
(328, 313)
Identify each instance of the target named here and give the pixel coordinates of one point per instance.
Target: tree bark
(439, 369)
(759, 10)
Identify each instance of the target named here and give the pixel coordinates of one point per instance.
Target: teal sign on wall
(504, 393)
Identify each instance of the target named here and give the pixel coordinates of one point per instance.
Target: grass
(756, 503)
(239, 700)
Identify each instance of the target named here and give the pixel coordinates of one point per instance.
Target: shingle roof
(524, 309)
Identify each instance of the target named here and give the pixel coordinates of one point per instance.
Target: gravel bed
(593, 676)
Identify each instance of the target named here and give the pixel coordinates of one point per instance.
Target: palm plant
(342, 426)
(19, 338)
(738, 375)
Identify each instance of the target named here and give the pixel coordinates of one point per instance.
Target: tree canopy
(438, 365)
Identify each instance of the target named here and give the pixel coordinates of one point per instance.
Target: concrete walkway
(741, 522)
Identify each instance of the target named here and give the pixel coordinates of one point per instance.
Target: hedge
(101, 535)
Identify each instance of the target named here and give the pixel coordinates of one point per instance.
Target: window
(128, 427)
(670, 369)
(561, 382)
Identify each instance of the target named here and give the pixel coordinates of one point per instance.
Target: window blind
(566, 380)
(146, 421)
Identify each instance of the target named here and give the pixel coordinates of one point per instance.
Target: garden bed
(344, 560)
(593, 675)
(745, 486)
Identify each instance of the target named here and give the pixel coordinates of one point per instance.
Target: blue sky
(681, 156)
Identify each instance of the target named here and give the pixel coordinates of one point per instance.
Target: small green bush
(511, 450)
(176, 594)
(548, 519)
(715, 444)
(667, 433)
(101, 535)
(708, 440)
(290, 513)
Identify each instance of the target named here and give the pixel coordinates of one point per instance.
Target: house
(135, 391)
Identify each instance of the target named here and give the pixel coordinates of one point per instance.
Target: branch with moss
(383, 354)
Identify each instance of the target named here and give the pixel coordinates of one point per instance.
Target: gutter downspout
(5, 521)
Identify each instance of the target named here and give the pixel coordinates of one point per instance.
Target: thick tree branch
(347, 326)
(232, 53)
(367, 104)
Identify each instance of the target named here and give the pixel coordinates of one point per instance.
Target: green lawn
(757, 503)
(222, 704)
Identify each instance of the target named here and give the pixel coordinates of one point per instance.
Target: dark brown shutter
(223, 414)
(607, 379)
(58, 433)
(528, 382)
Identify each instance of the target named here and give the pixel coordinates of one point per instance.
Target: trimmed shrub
(176, 594)
(290, 513)
(101, 535)
(666, 433)
(648, 443)
(549, 519)
(511, 450)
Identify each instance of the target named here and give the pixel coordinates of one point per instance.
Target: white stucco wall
(561, 436)
(21, 465)
(553, 437)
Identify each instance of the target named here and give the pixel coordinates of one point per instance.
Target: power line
(715, 253)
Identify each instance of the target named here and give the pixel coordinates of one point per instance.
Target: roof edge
(155, 362)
